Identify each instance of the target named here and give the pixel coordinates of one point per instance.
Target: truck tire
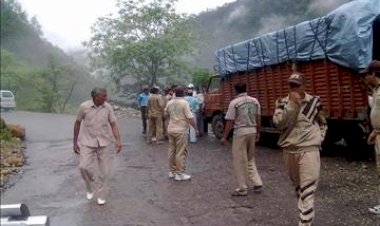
(217, 125)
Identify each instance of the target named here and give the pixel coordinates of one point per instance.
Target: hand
(372, 137)
(118, 147)
(257, 137)
(294, 96)
(223, 141)
(76, 148)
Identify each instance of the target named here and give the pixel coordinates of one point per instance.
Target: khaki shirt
(179, 114)
(155, 106)
(243, 111)
(301, 124)
(96, 130)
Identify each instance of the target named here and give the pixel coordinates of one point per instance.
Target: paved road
(141, 193)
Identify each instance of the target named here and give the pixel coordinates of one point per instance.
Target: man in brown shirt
(298, 117)
(98, 118)
(244, 115)
(155, 115)
(180, 117)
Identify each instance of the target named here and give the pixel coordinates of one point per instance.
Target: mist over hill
(245, 19)
(42, 76)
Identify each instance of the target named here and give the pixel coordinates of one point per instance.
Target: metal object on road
(19, 215)
(15, 210)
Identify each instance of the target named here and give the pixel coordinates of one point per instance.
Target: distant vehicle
(7, 100)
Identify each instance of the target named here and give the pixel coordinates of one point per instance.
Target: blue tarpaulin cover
(344, 36)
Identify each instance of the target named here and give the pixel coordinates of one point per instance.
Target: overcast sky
(66, 23)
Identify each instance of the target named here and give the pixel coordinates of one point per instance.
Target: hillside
(41, 75)
(244, 19)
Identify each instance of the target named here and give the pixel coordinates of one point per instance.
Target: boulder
(17, 131)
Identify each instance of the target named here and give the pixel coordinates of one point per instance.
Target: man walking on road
(98, 117)
(142, 101)
(244, 115)
(303, 128)
(373, 81)
(180, 117)
(155, 115)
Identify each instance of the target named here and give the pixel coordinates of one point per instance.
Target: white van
(7, 100)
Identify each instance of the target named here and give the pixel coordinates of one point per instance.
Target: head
(189, 92)
(146, 90)
(179, 91)
(154, 90)
(372, 73)
(241, 87)
(296, 83)
(99, 95)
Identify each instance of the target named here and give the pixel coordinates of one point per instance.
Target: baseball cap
(296, 79)
(190, 86)
(373, 66)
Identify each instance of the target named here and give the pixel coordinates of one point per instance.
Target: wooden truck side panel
(342, 90)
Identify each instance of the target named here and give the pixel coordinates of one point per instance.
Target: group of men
(153, 104)
(298, 116)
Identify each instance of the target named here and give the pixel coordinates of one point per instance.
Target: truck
(329, 51)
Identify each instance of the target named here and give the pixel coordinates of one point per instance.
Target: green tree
(147, 39)
(200, 77)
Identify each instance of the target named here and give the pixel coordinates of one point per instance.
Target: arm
(190, 118)
(138, 100)
(116, 134)
(76, 133)
(258, 126)
(322, 122)
(258, 120)
(227, 128)
(193, 124)
(115, 130)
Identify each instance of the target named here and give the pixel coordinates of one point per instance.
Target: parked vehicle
(7, 100)
(315, 48)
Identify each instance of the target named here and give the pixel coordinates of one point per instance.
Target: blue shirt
(193, 102)
(142, 100)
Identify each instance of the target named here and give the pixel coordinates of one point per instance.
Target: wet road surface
(141, 193)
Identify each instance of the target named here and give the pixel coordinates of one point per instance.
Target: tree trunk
(153, 80)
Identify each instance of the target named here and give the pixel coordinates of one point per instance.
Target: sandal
(239, 192)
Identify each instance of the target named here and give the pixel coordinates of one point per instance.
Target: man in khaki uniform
(98, 117)
(373, 81)
(244, 115)
(155, 115)
(180, 117)
(303, 129)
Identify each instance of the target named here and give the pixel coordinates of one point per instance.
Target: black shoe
(258, 189)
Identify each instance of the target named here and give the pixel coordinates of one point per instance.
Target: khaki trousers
(304, 172)
(243, 149)
(89, 156)
(155, 128)
(177, 152)
(377, 153)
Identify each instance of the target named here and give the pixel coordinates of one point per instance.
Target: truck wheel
(217, 125)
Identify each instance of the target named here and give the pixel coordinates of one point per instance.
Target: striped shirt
(301, 124)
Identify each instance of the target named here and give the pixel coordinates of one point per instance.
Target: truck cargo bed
(342, 90)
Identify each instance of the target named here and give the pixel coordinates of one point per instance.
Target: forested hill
(23, 37)
(245, 19)
(41, 75)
